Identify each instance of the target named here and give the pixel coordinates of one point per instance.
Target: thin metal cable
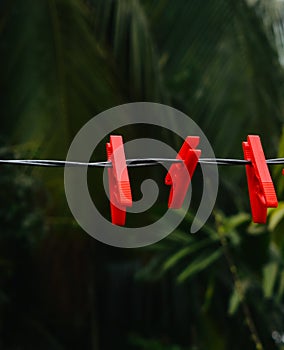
(223, 161)
(106, 164)
(136, 162)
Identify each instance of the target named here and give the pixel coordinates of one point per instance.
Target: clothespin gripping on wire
(180, 174)
(119, 185)
(261, 189)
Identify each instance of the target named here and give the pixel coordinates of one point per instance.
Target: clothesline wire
(136, 162)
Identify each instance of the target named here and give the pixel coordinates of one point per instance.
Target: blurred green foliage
(64, 61)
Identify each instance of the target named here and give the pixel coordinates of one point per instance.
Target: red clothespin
(261, 189)
(180, 174)
(119, 185)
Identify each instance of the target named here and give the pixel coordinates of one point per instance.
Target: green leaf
(236, 220)
(269, 278)
(276, 215)
(281, 286)
(256, 229)
(175, 258)
(199, 264)
(237, 295)
(234, 302)
(227, 226)
(209, 294)
(175, 239)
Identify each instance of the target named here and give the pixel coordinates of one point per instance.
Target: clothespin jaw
(119, 185)
(180, 174)
(261, 189)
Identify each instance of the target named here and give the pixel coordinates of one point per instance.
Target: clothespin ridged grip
(119, 185)
(261, 189)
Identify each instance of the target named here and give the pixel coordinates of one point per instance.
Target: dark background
(63, 62)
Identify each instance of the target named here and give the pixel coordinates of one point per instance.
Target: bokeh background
(63, 62)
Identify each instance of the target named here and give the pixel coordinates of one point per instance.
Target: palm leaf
(199, 264)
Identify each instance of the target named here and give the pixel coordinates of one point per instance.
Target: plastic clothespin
(119, 185)
(180, 174)
(261, 189)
